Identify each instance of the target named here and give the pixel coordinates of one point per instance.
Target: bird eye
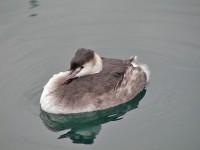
(82, 67)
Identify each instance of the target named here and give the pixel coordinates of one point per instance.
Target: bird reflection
(84, 127)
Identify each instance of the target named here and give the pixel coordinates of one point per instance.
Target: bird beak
(71, 75)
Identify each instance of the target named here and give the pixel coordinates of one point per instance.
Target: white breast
(47, 99)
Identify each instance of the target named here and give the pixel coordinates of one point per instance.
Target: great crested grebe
(93, 83)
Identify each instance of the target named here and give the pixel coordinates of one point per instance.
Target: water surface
(38, 39)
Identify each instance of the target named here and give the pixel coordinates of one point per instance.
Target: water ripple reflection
(84, 127)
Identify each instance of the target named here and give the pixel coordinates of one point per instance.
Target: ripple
(84, 127)
(164, 35)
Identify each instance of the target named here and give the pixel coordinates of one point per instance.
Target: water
(38, 39)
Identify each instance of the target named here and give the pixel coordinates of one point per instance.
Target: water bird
(94, 83)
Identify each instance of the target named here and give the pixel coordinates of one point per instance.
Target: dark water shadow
(85, 126)
(33, 4)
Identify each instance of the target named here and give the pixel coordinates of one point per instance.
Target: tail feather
(145, 68)
(134, 62)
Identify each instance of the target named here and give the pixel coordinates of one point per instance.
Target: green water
(39, 38)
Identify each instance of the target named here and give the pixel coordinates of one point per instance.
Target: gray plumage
(118, 82)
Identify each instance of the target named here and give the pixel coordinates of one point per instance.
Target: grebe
(93, 83)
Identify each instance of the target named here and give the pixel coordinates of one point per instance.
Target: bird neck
(98, 64)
